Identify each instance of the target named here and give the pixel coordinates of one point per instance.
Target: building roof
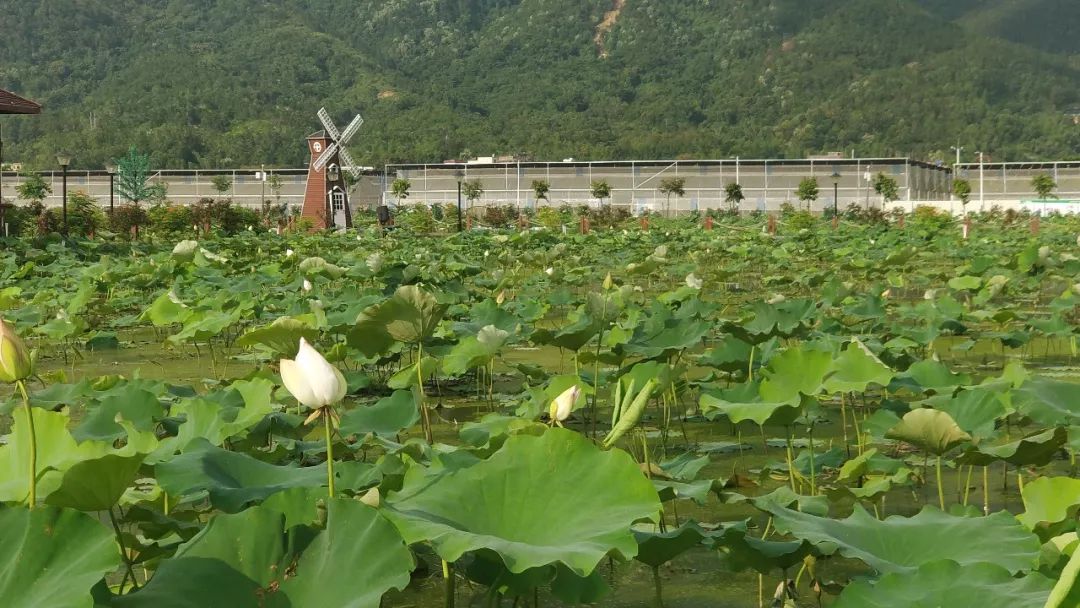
(11, 103)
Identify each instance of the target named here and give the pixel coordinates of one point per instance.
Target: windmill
(326, 198)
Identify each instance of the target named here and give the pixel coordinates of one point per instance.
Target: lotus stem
(329, 452)
(425, 415)
(448, 578)
(790, 464)
(659, 588)
(31, 499)
(967, 484)
(813, 481)
(123, 551)
(940, 488)
(843, 423)
(986, 490)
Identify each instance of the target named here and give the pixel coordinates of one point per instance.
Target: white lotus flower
(549, 271)
(289, 253)
(929, 294)
(776, 299)
(563, 404)
(693, 282)
(311, 379)
(307, 285)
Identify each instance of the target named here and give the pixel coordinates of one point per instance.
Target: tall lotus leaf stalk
(318, 385)
(425, 417)
(16, 365)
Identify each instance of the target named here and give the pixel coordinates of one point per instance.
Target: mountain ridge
(220, 83)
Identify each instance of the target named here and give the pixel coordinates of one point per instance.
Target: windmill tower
(326, 197)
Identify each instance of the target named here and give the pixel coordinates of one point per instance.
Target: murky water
(696, 579)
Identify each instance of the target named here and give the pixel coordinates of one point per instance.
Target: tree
(962, 189)
(672, 185)
(808, 191)
(1044, 186)
(540, 189)
(600, 190)
(222, 183)
(733, 195)
(473, 190)
(400, 188)
(887, 188)
(133, 178)
(33, 188)
(276, 185)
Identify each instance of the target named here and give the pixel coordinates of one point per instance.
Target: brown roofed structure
(11, 103)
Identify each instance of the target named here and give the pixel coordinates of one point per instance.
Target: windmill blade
(331, 130)
(351, 130)
(325, 157)
(348, 164)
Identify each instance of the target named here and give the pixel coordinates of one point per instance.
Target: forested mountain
(222, 83)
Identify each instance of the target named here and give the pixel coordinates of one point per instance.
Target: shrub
(416, 218)
(169, 219)
(549, 218)
(125, 217)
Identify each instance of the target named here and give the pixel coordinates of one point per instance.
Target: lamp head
(63, 159)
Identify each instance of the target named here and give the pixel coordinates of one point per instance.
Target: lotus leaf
(902, 544)
(526, 504)
(51, 557)
(946, 583)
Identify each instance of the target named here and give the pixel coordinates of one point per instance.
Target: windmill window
(337, 197)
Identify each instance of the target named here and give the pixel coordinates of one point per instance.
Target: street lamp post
(982, 190)
(64, 159)
(835, 193)
(459, 175)
(958, 149)
(111, 169)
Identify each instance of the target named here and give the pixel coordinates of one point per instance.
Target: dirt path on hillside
(605, 26)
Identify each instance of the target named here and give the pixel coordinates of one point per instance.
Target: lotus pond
(860, 416)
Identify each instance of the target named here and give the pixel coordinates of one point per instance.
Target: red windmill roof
(11, 103)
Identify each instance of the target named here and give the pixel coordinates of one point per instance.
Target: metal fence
(188, 186)
(995, 183)
(766, 184)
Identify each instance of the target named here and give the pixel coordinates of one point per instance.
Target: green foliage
(600, 190)
(174, 90)
(472, 190)
(133, 178)
(33, 188)
(733, 195)
(962, 189)
(222, 184)
(416, 218)
(540, 189)
(549, 217)
(1044, 186)
(126, 218)
(886, 187)
(400, 188)
(170, 219)
(808, 190)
